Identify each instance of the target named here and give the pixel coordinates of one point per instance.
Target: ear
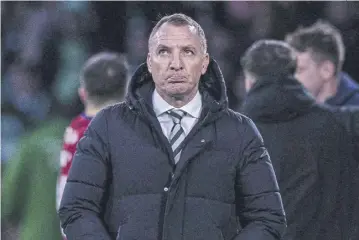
(148, 61)
(205, 64)
(82, 94)
(327, 70)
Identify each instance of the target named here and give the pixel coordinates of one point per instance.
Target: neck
(91, 112)
(329, 89)
(91, 109)
(178, 101)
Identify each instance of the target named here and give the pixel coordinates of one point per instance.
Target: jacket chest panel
(139, 168)
(212, 175)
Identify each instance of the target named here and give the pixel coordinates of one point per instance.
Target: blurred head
(320, 53)
(177, 56)
(267, 58)
(103, 79)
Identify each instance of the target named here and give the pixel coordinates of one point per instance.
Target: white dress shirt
(193, 110)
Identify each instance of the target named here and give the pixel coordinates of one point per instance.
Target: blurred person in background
(28, 192)
(172, 161)
(321, 54)
(41, 54)
(313, 154)
(103, 81)
(28, 202)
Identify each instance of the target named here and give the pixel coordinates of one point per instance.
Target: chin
(177, 91)
(177, 95)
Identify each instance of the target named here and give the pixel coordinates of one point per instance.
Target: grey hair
(180, 19)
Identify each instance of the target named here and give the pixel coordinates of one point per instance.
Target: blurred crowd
(44, 45)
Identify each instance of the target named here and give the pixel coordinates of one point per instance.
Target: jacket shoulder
(243, 125)
(115, 109)
(114, 112)
(238, 119)
(347, 116)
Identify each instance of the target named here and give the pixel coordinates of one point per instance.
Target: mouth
(176, 79)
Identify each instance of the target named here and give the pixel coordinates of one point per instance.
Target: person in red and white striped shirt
(103, 82)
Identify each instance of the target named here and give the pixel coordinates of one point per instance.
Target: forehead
(171, 35)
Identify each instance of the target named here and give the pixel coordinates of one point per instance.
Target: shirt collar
(193, 108)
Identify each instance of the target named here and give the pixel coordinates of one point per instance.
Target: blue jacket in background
(348, 92)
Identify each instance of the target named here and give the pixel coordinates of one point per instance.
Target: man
(172, 161)
(313, 155)
(103, 81)
(321, 54)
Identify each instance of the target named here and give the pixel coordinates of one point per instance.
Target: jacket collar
(347, 88)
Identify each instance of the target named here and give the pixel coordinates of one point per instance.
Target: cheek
(303, 76)
(157, 70)
(313, 78)
(304, 80)
(196, 72)
(310, 80)
(299, 77)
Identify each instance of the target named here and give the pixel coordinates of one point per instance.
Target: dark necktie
(177, 134)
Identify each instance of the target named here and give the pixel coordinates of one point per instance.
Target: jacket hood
(277, 100)
(211, 86)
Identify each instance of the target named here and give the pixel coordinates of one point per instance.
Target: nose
(176, 62)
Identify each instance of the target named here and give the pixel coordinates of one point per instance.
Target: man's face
(309, 73)
(176, 60)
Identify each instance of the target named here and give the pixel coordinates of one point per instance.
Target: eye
(163, 52)
(189, 52)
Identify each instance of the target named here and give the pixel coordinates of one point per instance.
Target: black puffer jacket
(123, 183)
(349, 117)
(313, 156)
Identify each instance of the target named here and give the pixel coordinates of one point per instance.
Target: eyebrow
(162, 46)
(185, 46)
